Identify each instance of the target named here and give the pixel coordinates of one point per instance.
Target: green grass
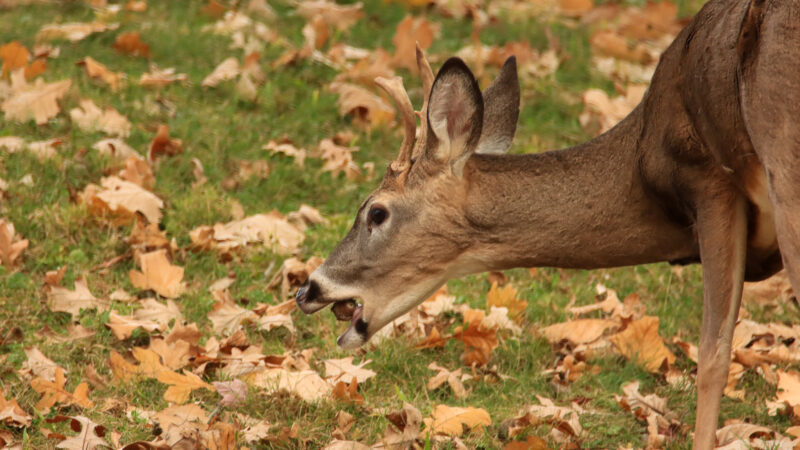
(220, 129)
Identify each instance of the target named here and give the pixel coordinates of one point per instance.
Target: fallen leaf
(271, 229)
(14, 56)
(453, 379)
(336, 369)
(37, 101)
(149, 365)
(288, 149)
(90, 435)
(163, 144)
(60, 299)
(227, 316)
(139, 172)
(233, 392)
(226, 70)
(72, 32)
(338, 159)
(564, 420)
(53, 392)
(337, 444)
(479, 340)
(347, 392)
(451, 421)
(340, 16)
(161, 77)
(506, 297)
(99, 71)
(412, 31)
(39, 365)
(131, 43)
(368, 110)
(181, 386)
(90, 118)
(123, 326)
(307, 384)
(12, 414)
(432, 341)
(115, 148)
(640, 342)
(652, 409)
(407, 423)
(11, 244)
(122, 199)
(158, 274)
(601, 112)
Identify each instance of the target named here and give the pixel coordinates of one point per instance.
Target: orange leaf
(14, 56)
(433, 340)
(506, 297)
(347, 392)
(163, 144)
(641, 342)
(181, 386)
(479, 340)
(53, 392)
(36, 68)
(132, 44)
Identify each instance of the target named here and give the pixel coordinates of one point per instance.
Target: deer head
(412, 233)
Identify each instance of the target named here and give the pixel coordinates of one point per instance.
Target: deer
(706, 169)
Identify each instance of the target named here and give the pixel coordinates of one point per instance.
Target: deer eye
(377, 215)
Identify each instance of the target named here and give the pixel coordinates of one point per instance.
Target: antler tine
(394, 87)
(426, 74)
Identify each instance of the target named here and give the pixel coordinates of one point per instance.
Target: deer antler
(426, 74)
(394, 87)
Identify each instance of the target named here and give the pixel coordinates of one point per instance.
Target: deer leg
(722, 234)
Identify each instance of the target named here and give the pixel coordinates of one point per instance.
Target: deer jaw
(394, 266)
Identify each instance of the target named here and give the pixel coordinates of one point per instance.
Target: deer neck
(581, 207)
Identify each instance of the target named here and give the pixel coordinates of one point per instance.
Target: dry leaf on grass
(412, 31)
(39, 365)
(344, 369)
(661, 422)
(11, 244)
(580, 331)
(122, 199)
(149, 365)
(61, 299)
(338, 159)
(161, 77)
(163, 144)
(181, 386)
(407, 423)
(453, 379)
(340, 16)
(564, 420)
(12, 414)
(227, 316)
(226, 70)
(368, 109)
(15, 56)
(115, 148)
(131, 43)
(158, 274)
(37, 101)
(507, 297)
(479, 339)
(53, 392)
(233, 392)
(452, 421)
(287, 148)
(640, 342)
(307, 384)
(72, 32)
(99, 71)
(271, 229)
(347, 392)
(122, 326)
(90, 435)
(90, 118)
(600, 112)
(137, 171)
(773, 290)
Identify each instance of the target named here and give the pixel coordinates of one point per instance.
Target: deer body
(706, 169)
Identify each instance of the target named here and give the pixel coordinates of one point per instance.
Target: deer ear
(500, 110)
(455, 115)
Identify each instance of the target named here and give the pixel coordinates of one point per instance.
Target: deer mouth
(347, 310)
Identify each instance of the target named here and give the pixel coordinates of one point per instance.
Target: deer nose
(308, 296)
